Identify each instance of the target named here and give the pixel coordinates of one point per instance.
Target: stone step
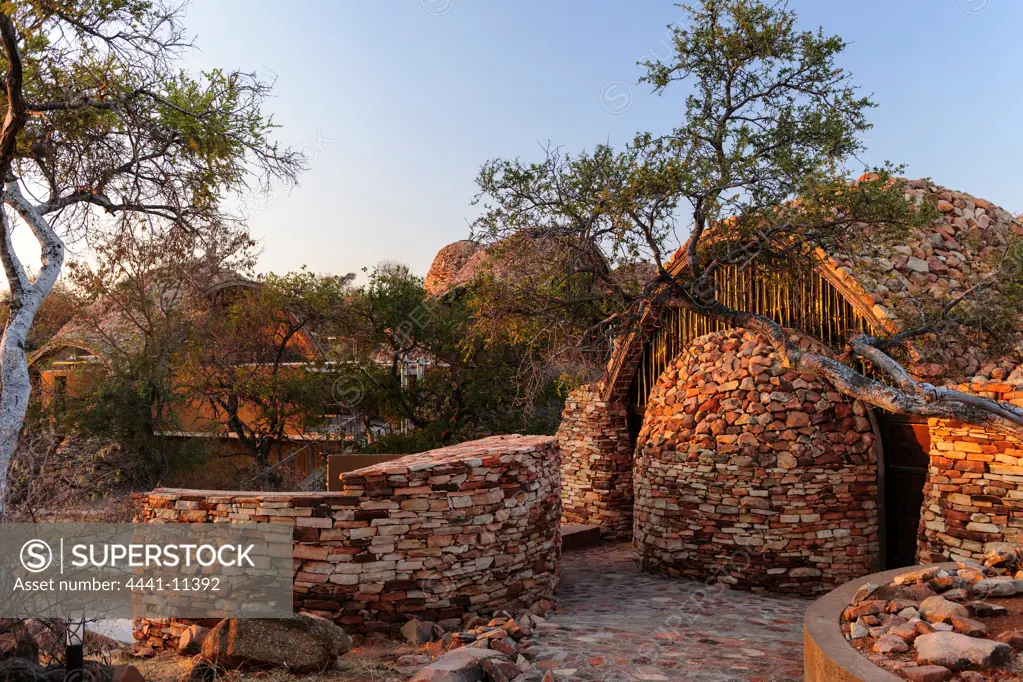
(577, 535)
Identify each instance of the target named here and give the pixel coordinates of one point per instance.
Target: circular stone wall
(752, 475)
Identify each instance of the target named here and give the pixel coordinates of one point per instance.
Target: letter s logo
(36, 556)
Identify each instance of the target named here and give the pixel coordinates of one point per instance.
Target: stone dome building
(747, 468)
(747, 474)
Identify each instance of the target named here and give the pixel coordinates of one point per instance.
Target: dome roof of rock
(939, 261)
(737, 452)
(729, 394)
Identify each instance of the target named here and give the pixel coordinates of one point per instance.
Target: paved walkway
(617, 624)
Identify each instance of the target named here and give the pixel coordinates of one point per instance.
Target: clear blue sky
(399, 102)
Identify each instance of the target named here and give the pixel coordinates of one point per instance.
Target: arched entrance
(825, 308)
(906, 442)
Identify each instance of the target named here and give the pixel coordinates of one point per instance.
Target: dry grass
(348, 669)
(68, 479)
(364, 664)
(165, 668)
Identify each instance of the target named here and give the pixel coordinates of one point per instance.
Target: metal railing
(333, 429)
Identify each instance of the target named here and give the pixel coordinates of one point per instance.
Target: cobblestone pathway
(617, 624)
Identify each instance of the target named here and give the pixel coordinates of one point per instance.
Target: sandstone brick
(963, 514)
(371, 564)
(790, 489)
(596, 474)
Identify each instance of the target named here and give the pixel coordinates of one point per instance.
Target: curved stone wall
(472, 527)
(596, 464)
(753, 475)
(974, 489)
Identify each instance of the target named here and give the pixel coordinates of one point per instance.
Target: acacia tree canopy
(103, 125)
(466, 389)
(141, 291)
(757, 171)
(258, 362)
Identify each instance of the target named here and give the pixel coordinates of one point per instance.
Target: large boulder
(302, 644)
(453, 266)
(959, 652)
(940, 610)
(125, 673)
(419, 632)
(191, 639)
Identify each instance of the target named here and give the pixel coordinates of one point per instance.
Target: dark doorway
(907, 442)
(635, 415)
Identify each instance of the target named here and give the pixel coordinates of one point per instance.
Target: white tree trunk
(15, 392)
(26, 298)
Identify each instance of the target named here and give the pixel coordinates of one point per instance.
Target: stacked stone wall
(753, 475)
(468, 528)
(974, 489)
(596, 464)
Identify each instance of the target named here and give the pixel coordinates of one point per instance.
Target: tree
(543, 296)
(57, 309)
(142, 289)
(103, 124)
(756, 171)
(259, 364)
(422, 362)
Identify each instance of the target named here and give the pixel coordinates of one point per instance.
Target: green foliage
(138, 296)
(769, 113)
(258, 364)
(120, 410)
(114, 121)
(104, 134)
(418, 365)
(756, 172)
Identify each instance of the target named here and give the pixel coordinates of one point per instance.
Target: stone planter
(827, 655)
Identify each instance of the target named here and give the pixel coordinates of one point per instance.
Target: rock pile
(499, 649)
(933, 622)
(596, 464)
(752, 474)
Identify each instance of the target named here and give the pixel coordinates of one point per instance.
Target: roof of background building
(105, 329)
